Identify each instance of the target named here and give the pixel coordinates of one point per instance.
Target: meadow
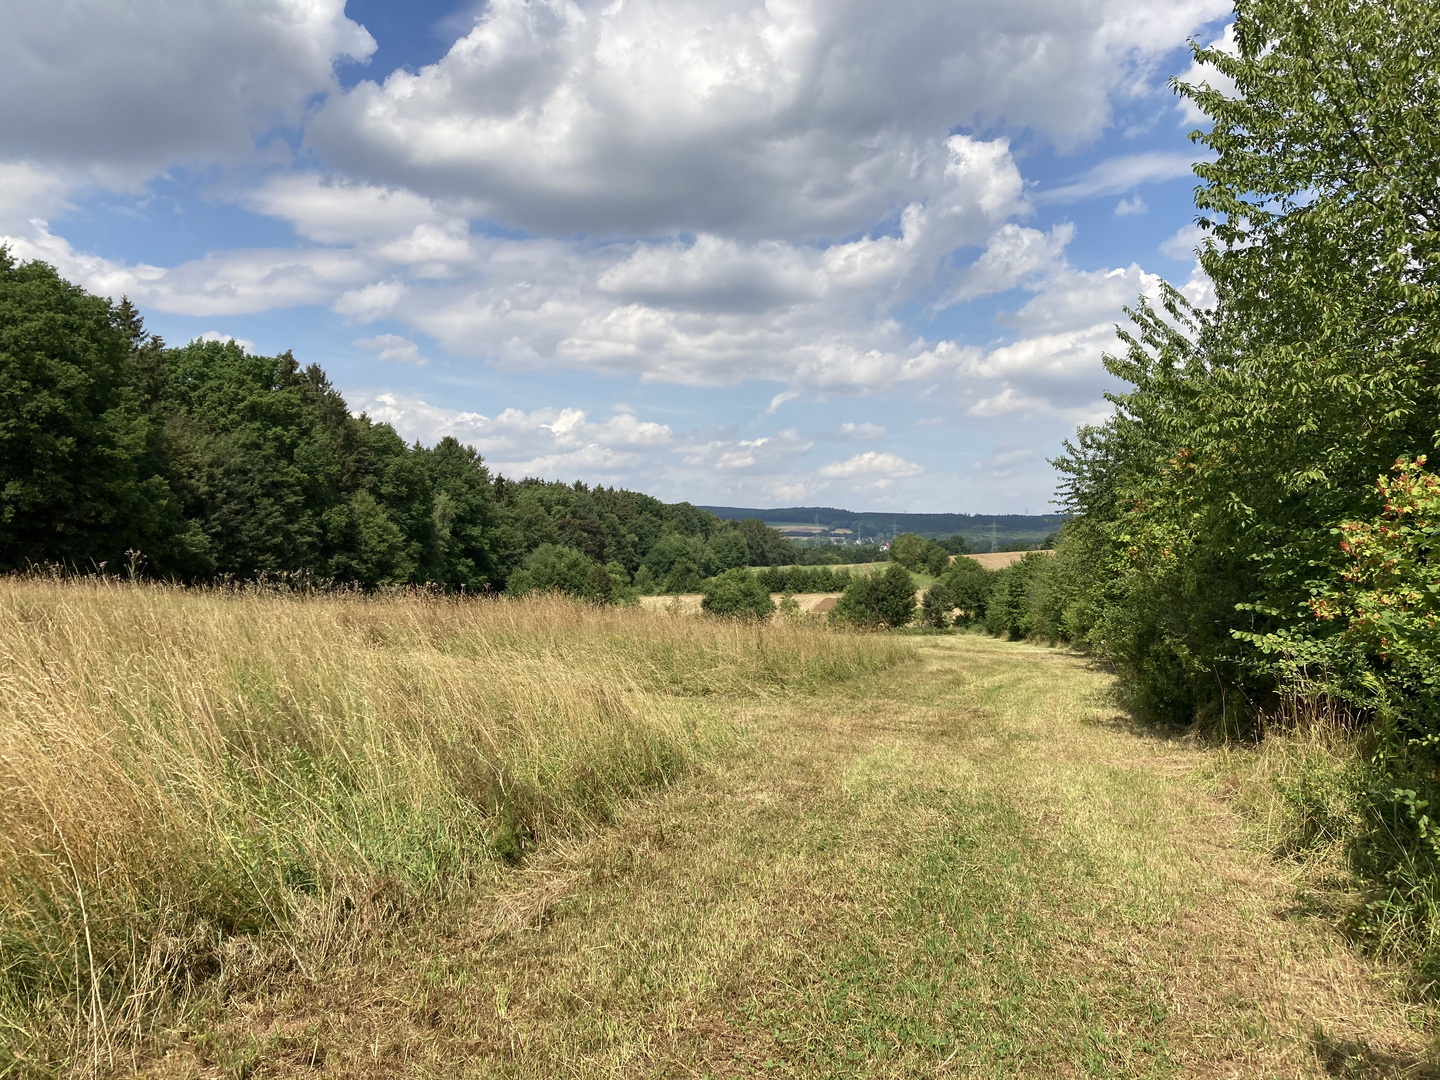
(184, 773)
(252, 833)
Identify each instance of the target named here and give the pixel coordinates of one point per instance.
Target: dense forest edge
(1253, 534)
(207, 463)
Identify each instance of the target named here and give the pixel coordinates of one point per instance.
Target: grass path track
(968, 867)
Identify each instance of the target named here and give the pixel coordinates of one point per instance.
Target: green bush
(804, 579)
(554, 568)
(969, 585)
(885, 599)
(936, 606)
(737, 594)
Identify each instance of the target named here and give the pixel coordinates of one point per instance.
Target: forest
(207, 463)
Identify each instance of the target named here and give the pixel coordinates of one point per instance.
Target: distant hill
(867, 525)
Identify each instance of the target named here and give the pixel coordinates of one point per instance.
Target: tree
(969, 584)
(1255, 430)
(78, 481)
(910, 551)
(767, 547)
(937, 560)
(728, 550)
(554, 568)
(936, 607)
(884, 599)
(737, 594)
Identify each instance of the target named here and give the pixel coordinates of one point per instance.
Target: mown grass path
(967, 867)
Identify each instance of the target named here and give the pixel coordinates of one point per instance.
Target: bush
(737, 594)
(886, 599)
(936, 607)
(553, 568)
(969, 585)
(803, 579)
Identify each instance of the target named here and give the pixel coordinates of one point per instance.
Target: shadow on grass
(1357, 1059)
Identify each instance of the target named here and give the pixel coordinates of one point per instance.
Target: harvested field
(689, 603)
(997, 560)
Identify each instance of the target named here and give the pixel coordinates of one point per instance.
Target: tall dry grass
(181, 769)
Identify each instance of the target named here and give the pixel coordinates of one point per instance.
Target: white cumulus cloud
(124, 88)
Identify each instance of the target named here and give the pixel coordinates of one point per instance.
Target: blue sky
(853, 253)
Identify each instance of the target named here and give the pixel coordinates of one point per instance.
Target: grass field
(182, 773)
(935, 855)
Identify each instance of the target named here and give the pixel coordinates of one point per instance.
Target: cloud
(778, 400)
(1008, 400)
(1121, 174)
(1181, 246)
(124, 88)
(392, 347)
(223, 283)
(871, 471)
(30, 193)
(767, 455)
(685, 192)
(1002, 464)
(734, 117)
(554, 443)
(1133, 205)
(1013, 257)
(334, 210)
(871, 464)
(865, 430)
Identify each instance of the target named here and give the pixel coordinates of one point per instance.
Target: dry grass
(180, 771)
(689, 603)
(968, 867)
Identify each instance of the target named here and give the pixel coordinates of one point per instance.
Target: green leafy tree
(554, 568)
(737, 593)
(910, 551)
(969, 585)
(936, 606)
(728, 550)
(767, 547)
(937, 560)
(884, 599)
(1254, 430)
(78, 479)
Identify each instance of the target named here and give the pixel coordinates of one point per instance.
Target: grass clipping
(180, 768)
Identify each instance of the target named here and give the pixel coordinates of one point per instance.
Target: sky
(844, 252)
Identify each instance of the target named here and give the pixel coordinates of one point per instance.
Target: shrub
(737, 594)
(886, 599)
(936, 607)
(804, 579)
(969, 585)
(554, 568)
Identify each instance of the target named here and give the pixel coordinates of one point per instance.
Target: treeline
(206, 463)
(1255, 534)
